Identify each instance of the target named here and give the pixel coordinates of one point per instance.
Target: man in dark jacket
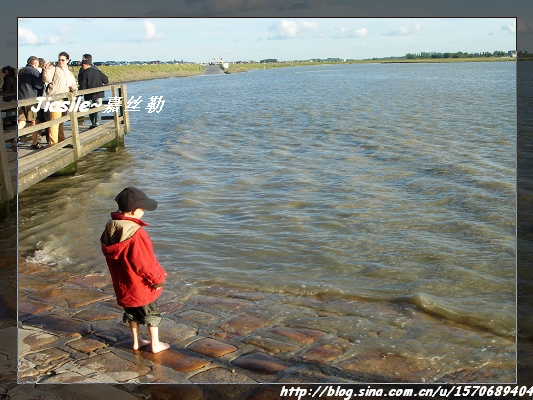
(30, 85)
(92, 78)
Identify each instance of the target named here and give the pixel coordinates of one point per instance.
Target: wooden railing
(34, 166)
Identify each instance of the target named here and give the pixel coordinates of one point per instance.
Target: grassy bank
(234, 68)
(131, 73)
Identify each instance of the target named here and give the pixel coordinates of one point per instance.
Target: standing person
(92, 78)
(10, 85)
(59, 80)
(30, 85)
(89, 58)
(136, 274)
(42, 115)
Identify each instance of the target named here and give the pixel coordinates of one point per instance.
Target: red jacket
(131, 260)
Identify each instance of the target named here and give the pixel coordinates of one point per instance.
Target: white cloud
(402, 30)
(62, 36)
(286, 29)
(511, 27)
(27, 37)
(350, 33)
(151, 34)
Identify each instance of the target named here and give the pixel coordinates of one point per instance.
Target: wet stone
(305, 336)
(171, 331)
(218, 303)
(57, 324)
(86, 345)
(243, 325)
(28, 307)
(380, 367)
(270, 345)
(34, 340)
(198, 317)
(469, 375)
(33, 284)
(72, 297)
(169, 358)
(260, 362)
(46, 356)
(321, 354)
(220, 375)
(68, 377)
(212, 348)
(170, 308)
(91, 281)
(97, 314)
(250, 296)
(116, 367)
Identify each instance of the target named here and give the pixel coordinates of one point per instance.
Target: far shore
(133, 73)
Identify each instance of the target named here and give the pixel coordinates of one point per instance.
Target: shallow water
(390, 183)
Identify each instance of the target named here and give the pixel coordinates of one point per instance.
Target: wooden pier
(26, 167)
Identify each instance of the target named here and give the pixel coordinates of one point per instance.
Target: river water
(385, 182)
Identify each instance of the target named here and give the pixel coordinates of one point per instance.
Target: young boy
(136, 274)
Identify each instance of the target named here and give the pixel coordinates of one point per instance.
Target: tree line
(459, 54)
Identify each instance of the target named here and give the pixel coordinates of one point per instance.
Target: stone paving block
(97, 313)
(382, 367)
(243, 325)
(57, 324)
(218, 303)
(321, 354)
(260, 362)
(163, 374)
(33, 284)
(270, 345)
(250, 296)
(220, 375)
(169, 358)
(170, 308)
(171, 331)
(29, 307)
(86, 345)
(74, 298)
(116, 367)
(29, 340)
(91, 281)
(46, 356)
(212, 348)
(198, 317)
(68, 377)
(172, 392)
(305, 336)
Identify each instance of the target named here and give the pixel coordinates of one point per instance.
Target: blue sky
(233, 39)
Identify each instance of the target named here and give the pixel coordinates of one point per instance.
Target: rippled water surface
(387, 182)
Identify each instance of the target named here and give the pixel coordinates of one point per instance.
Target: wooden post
(5, 177)
(115, 113)
(75, 130)
(125, 112)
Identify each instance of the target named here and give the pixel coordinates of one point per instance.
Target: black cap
(132, 198)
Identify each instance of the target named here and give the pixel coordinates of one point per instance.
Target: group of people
(39, 78)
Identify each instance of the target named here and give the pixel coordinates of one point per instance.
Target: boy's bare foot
(156, 348)
(142, 343)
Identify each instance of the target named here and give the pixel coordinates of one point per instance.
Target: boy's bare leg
(138, 341)
(157, 346)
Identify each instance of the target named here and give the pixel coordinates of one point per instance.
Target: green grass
(131, 73)
(233, 68)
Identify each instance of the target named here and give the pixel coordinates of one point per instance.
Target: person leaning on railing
(59, 80)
